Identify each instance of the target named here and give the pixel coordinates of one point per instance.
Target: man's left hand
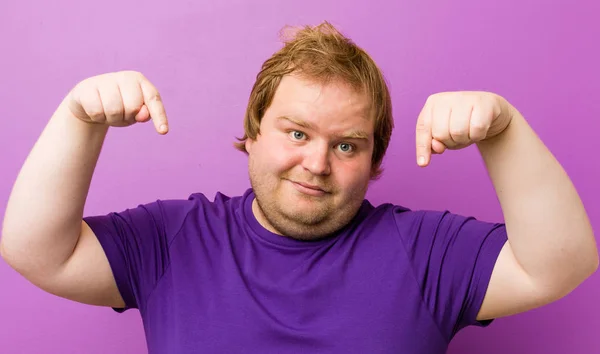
(455, 120)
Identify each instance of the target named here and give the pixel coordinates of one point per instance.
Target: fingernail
(421, 160)
(163, 128)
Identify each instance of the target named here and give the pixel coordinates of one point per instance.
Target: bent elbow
(593, 258)
(594, 264)
(9, 257)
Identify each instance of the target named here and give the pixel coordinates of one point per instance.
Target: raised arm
(43, 235)
(551, 247)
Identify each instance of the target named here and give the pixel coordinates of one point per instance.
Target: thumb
(437, 147)
(143, 115)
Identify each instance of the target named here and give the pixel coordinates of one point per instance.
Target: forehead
(335, 102)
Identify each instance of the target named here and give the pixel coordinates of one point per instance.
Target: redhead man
(301, 262)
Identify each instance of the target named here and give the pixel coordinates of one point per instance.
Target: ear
(248, 144)
(375, 172)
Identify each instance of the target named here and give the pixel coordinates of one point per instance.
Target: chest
(311, 304)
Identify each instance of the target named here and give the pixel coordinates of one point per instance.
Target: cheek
(354, 175)
(274, 155)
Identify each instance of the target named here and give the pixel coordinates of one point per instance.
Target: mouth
(309, 189)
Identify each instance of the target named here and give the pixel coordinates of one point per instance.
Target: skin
(551, 247)
(310, 171)
(317, 136)
(58, 252)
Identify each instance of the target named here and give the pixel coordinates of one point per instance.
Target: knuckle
(477, 137)
(113, 111)
(93, 107)
(129, 120)
(460, 132)
(130, 114)
(130, 74)
(114, 120)
(155, 97)
(440, 135)
(97, 116)
(128, 78)
(94, 110)
(434, 96)
(478, 131)
(478, 134)
(422, 128)
(86, 91)
(478, 127)
(132, 101)
(130, 110)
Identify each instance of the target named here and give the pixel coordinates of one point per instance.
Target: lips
(311, 186)
(309, 189)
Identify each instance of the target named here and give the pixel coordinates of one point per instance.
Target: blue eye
(297, 135)
(345, 147)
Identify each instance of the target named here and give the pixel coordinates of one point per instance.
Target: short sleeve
(136, 242)
(453, 257)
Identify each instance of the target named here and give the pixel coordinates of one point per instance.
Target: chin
(294, 214)
(306, 222)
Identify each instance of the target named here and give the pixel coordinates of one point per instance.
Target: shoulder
(406, 218)
(198, 203)
(171, 215)
(220, 204)
(412, 225)
(395, 215)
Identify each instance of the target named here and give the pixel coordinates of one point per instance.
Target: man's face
(310, 165)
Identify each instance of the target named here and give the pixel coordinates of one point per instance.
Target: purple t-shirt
(208, 278)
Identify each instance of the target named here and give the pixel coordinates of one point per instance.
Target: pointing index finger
(423, 136)
(153, 102)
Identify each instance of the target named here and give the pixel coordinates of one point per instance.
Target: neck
(262, 220)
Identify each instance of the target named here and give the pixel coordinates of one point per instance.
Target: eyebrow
(352, 134)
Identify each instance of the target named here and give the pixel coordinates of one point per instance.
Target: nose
(316, 160)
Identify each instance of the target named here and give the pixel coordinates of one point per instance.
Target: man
(301, 262)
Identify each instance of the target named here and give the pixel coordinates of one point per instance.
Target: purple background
(542, 56)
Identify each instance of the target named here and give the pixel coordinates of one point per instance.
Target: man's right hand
(59, 252)
(118, 99)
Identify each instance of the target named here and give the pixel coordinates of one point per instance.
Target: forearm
(43, 217)
(548, 228)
